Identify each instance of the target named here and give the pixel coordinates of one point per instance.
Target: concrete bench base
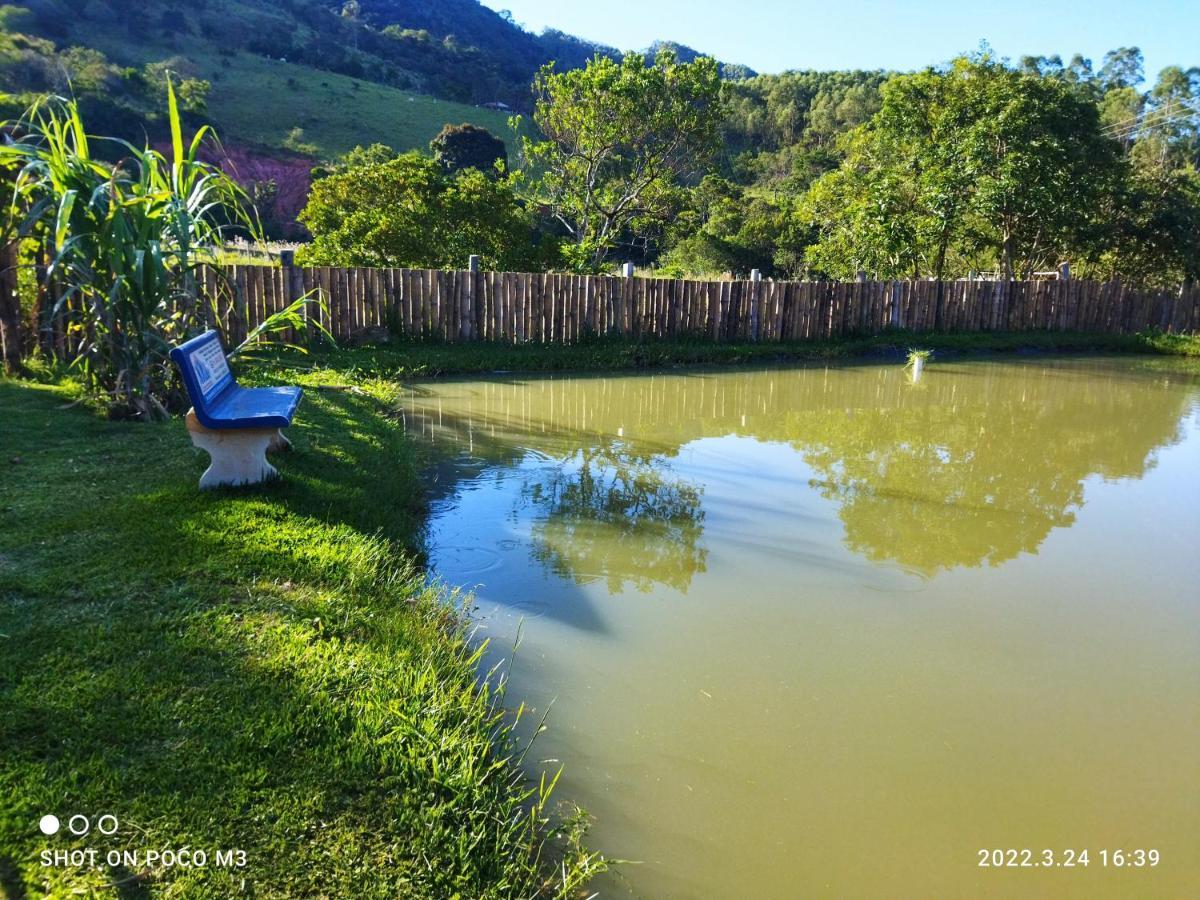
(239, 455)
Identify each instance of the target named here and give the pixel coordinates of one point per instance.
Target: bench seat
(241, 407)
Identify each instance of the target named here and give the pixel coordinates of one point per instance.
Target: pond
(831, 631)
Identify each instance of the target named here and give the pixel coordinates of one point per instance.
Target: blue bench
(237, 426)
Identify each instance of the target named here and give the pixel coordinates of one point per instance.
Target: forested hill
(286, 83)
(508, 55)
(451, 50)
(500, 56)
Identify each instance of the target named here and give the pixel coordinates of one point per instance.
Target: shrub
(468, 146)
(409, 211)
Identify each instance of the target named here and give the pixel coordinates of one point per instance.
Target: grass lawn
(260, 670)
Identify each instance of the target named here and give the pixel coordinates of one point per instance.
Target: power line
(1170, 109)
(1124, 123)
(1173, 112)
(1134, 121)
(1154, 126)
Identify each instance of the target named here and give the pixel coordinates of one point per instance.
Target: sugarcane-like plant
(123, 243)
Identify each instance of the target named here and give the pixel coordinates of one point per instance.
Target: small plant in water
(916, 361)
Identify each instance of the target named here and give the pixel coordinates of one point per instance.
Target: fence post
(287, 260)
(755, 296)
(471, 319)
(1064, 272)
(625, 295)
(293, 287)
(11, 340)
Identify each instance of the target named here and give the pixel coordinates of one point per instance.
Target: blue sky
(773, 35)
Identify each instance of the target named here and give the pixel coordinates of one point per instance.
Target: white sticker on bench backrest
(208, 363)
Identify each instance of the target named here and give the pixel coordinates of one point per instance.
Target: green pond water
(829, 632)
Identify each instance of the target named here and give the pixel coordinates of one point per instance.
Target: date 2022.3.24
(1026, 858)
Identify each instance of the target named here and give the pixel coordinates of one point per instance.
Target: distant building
(497, 104)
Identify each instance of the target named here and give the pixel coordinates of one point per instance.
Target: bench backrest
(205, 371)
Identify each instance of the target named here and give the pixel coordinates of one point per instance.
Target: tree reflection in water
(939, 481)
(610, 513)
(974, 465)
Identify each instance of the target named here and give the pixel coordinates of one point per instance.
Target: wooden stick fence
(510, 307)
(515, 307)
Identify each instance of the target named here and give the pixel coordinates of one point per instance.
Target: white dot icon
(49, 824)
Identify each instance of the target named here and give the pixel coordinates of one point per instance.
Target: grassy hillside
(258, 100)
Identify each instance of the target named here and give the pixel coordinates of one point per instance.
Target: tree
(806, 109)
(1155, 229)
(866, 215)
(367, 156)
(978, 159)
(191, 92)
(410, 212)
(352, 14)
(1079, 73)
(468, 146)
(84, 70)
(193, 95)
(1040, 162)
(1120, 110)
(1170, 137)
(722, 230)
(1122, 68)
(899, 199)
(620, 140)
(1155, 216)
